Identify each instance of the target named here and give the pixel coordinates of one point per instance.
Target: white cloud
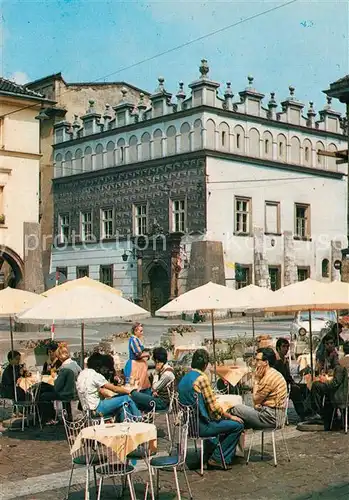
(19, 77)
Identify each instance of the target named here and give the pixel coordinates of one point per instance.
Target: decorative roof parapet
(329, 118)
(228, 97)
(76, 126)
(204, 90)
(91, 121)
(63, 132)
(311, 114)
(107, 117)
(123, 110)
(180, 97)
(292, 109)
(161, 100)
(272, 105)
(250, 99)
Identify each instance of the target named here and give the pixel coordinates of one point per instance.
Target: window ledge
(302, 238)
(242, 234)
(273, 234)
(3, 226)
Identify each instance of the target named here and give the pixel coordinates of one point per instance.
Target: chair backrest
(110, 463)
(281, 413)
(192, 414)
(73, 429)
(171, 394)
(148, 418)
(183, 437)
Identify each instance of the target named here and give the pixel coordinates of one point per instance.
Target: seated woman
(14, 371)
(165, 376)
(64, 388)
(94, 390)
(53, 363)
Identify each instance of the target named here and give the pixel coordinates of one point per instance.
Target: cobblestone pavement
(318, 470)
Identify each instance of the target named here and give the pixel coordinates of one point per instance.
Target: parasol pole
(53, 321)
(82, 345)
(214, 345)
(337, 317)
(13, 366)
(311, 347)
(253, 335)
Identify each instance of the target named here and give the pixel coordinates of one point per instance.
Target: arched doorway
(159, 287)
(11, 268)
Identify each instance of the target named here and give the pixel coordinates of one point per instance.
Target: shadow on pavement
(54, 433)
(334, 492)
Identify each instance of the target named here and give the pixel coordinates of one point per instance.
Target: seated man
(9, 388)
(326, 355)
(165, 377)
(282, 365)
(269, 393)
(345, 361)
(213, 421)
(94, 390)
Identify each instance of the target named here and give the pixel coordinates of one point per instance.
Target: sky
(304, 44)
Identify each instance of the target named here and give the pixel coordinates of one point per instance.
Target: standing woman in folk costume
(136, 368)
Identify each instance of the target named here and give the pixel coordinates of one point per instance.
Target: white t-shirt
(88, 384)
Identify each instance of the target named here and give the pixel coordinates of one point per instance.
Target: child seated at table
(94, 390)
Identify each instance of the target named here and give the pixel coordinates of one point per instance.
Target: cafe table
(113, 436)
(26, 383)
(228, 401)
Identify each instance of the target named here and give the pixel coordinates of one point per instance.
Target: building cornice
(19, 154)
(203, 153)
(243, 117)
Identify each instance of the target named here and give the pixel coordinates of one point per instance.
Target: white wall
(327, 199)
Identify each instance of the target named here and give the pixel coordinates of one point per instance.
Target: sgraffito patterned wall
(122, 187)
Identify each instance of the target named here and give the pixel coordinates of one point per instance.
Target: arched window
(68, 164)
(282, 144)
(132, 149)
(110, 154)
(254, 142)
(320, 159)
(157, 143)
(171, 140)
(210, 134)
(307, 152)
(295, 150)
(224, 136)
(331, 161)
(239, 134)
(267, 144)
(185, 137)
(145, 146)
(325, 268)
(197, 135)
(58, 166)
(78, 161)
(88, 159)
(99, 157)
(121, 151)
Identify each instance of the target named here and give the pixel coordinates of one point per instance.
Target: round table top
(228, 401)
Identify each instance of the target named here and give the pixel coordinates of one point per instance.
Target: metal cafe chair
(29, 407)
(281, 417)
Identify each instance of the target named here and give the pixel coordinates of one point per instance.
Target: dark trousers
(321, 402)
(46, 408)
(228, 432)
(298, 397)
(143, 401)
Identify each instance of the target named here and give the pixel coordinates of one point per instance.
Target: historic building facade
(134, 187)
(20, 249)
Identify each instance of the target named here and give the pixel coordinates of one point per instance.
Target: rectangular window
(275, 277)
(82, 272)
(243, 215)
(179, 216)
(107, 223)
(223, 138)
(237, 141)
(243, 276)
(302, 220)
(106, 275)
(61, 272)
(140, 220)
(86, 226)
(303, 273)
(272, 217)
(64, 228)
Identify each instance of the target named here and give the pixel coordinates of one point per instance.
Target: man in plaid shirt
(195, 388)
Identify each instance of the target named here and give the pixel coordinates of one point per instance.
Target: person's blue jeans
(144, 398)
(228, 433)
(114, 407)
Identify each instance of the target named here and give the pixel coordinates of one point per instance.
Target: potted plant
(2, 219)
(180, 330)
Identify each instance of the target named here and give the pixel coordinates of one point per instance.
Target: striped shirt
(271, 390)
(202, 385)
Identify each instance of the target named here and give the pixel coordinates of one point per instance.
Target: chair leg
(202, 457)
(196, 446)
(177, 483)
(187, 481)
(39, 416)
(274, 447)
(100, 488)
(346, 420)
(70, 480)
(23, 417)
(168, 428)
(157, 483)
(250, 448)
(131, 487)
(286, 447)
(222, 456)
(95, 477)
(333, 414)
(262, 445)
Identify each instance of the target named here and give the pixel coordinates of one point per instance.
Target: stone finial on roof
(311, 110)
(292, 91)
(204, 68)
(91, 108)
(329, 102)
(76, 123)
(250, 80)
(124, 94)
(272, 105)
(141, 104)
(107, 112)
(181, 93)
(228, 92)
(161, 87)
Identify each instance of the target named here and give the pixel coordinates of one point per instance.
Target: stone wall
(261, 270)
(290, 267)
(206, 264)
